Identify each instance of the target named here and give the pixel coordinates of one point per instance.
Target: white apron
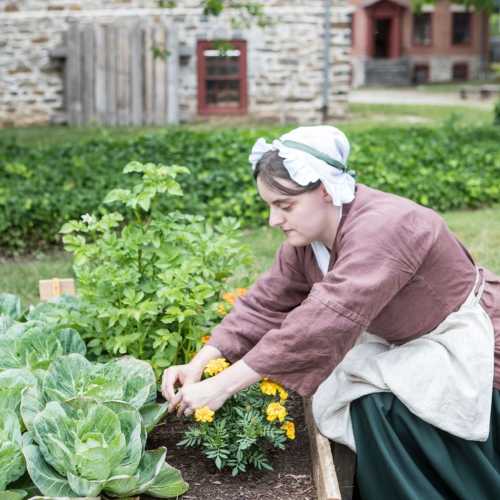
(444, 377)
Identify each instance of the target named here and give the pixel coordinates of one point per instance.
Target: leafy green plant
(12, 465)
(496, 113)
(83, 447)
(124, 379)
(150, 285)
(240, 434)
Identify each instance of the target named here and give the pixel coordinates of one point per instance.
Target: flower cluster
(230, 299)
(215, 366)
(241, 433)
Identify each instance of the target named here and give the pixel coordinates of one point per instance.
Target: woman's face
(303, 218)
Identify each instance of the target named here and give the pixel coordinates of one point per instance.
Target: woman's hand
(178, 375)
(210, 392)
(214, 391)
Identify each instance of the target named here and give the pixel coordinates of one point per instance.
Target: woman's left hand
(210, 392)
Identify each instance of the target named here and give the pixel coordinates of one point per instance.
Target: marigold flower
(269, 387)
(241, 291)
(221, 310)
(215, 366)
(276, 411)
(204, 414)
(283, 394)
(205, 339)
(230, 297)
(289, 428)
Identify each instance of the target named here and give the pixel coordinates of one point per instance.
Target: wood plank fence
(121, 73)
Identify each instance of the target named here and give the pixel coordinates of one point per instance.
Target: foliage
(41, 187)
(124, 379)
(11, 458)
(240, 434)
(496, 113)
(86, 423)
(84, 447)
(150, 287)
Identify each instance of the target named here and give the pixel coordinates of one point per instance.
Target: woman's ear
(324, 194)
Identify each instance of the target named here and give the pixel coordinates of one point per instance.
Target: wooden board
(324, 473)
(56, 287)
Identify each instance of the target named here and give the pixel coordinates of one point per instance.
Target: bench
(483, 91)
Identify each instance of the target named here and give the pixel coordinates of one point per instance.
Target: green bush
(42, 187)
(496, 113)
(150, 287)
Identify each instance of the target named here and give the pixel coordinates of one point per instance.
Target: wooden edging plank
(323, 468)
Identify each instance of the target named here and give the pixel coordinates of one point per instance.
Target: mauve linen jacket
(395, 270)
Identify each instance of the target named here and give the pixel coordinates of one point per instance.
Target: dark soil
(290, 480)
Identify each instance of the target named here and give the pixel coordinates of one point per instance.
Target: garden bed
(291, 478)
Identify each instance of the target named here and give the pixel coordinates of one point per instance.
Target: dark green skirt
(401, 457)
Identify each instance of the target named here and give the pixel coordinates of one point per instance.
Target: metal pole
(326, 59)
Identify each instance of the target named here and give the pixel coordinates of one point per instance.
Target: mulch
(290, 480)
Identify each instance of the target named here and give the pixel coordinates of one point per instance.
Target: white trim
(461, 8)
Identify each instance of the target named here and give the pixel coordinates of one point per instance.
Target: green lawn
(479, 230)
(360, 117)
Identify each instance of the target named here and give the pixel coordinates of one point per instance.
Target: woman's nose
(275, 218)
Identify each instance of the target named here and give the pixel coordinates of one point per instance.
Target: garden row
(152, 286)
(42, 187)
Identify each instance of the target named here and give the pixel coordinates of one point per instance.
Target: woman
(376, 309)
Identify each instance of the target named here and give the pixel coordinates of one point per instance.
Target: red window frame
(416, 42)
(204, 108)
(454, 16)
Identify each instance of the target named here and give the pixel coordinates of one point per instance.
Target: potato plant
(150, 280)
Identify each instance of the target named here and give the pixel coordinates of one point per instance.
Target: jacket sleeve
(264, 307)
(373, 264)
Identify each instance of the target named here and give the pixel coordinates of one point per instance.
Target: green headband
(318, 154)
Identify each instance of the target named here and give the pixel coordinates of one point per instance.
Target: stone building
(394, 45)
(296, 69)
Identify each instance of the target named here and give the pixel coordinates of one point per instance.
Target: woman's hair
(270, 168)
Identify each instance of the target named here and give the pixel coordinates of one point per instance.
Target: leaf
(152, 413)
(10, 305)
(12, 465)
(168, 483)
(120, 195)
(45, 478)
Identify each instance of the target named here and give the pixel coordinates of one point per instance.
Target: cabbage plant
(124, 379)
(84, 447)
(35, 345)
(11, 458)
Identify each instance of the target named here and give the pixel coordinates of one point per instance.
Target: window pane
(461, 27)
(222, 66)
(223, 93)
(422, 29)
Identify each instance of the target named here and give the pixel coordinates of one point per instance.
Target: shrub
(150, 286)
(41, 187)
(496, 113)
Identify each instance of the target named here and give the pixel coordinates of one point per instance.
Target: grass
(365, 116)
(479, 230)
(361, 117)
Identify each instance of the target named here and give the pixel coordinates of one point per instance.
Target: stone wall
(285, 60)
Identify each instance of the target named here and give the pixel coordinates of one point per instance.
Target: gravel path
(410, 96)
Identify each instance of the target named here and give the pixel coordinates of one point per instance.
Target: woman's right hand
(178, 375)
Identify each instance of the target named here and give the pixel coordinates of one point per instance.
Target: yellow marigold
(283, 394)
(241, 291)
(229, 297)
(289, 428)
(204, 414)
(276, 411)
(205, 339)
(215, 366)
(221, 310)
(268, 387)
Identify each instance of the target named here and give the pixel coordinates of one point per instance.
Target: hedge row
(42, 187)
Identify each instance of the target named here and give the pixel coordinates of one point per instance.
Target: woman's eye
(287, 208)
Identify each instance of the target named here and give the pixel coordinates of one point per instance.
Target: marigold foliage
(241, 434)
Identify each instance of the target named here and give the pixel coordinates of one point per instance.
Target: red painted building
(391, 44)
